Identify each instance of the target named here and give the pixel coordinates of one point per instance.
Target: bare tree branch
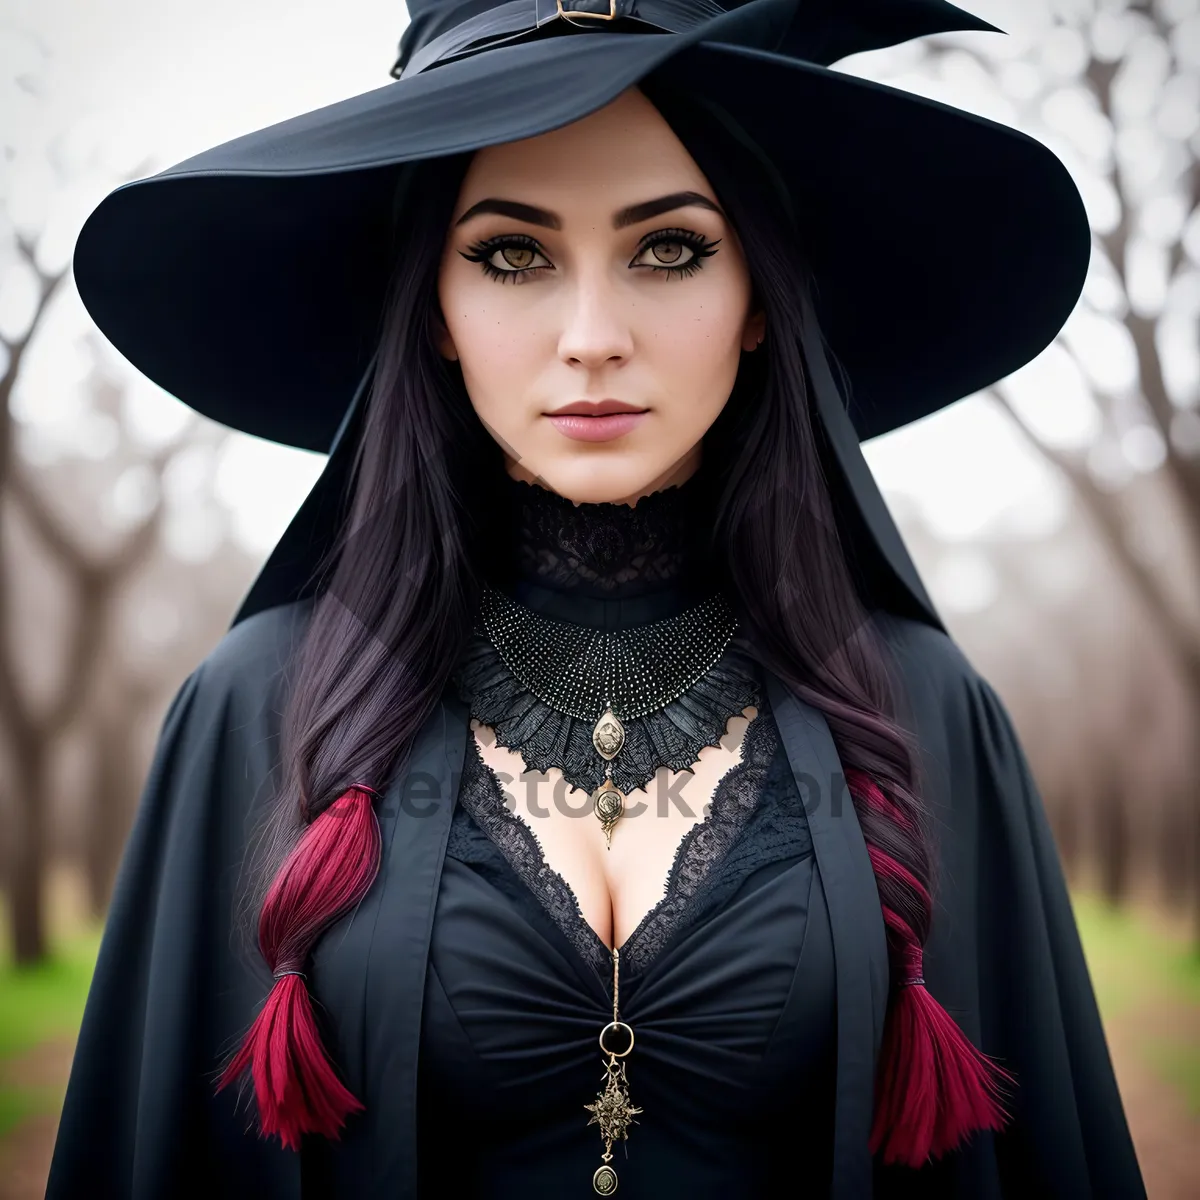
(94, 583)
(1105, 511)
(48, 285)
(49, 528)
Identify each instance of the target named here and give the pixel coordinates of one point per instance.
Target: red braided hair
(328, 872)
(933, 1088)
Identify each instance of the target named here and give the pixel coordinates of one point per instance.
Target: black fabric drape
(173, 991)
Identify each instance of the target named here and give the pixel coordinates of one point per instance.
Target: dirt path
(1165, 1134)
(25, 1153)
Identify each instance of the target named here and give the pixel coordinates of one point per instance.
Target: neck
(607, 565)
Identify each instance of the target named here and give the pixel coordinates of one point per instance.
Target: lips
(596, 420)
(595, 408)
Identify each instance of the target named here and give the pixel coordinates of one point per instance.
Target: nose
(596, 330)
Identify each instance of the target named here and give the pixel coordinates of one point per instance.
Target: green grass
(39, 1003)
(1130, 961)
(1178, 1065)
(46, 1000)
(16, 1104)
(1133, 965)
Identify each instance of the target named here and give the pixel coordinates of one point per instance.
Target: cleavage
(617, 888)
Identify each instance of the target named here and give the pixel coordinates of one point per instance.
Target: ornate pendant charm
(608, 803)
(608, 736)
(605, 1180)
(612, 1110)
(614, 1114)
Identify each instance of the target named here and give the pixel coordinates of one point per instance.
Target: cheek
(698, 339)
(492, 337)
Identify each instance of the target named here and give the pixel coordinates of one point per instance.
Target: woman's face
(592, 266)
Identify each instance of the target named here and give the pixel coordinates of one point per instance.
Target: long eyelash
(481, 252)
(700, 247)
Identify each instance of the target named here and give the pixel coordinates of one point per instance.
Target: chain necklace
(607, 677)
(612, 1110)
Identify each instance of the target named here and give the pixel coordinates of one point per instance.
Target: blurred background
(1055, 518)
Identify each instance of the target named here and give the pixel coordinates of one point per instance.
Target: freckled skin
(592, 320)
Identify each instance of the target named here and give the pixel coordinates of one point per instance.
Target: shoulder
(956, 714)
(218, 745)
(927, 657)
(235, 692)
(251, 659)
(943, 693)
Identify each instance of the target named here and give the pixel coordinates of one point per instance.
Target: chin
(599, 478)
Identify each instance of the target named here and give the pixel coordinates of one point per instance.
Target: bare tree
(32, 724)
(81, 667)
(114, 778)
(22, 727)
(1110, 42)
(34, 731)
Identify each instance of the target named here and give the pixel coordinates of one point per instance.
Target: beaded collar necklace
(607, 677)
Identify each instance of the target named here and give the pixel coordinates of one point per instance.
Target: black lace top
(734, 1041)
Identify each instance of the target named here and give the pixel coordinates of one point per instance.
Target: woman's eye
(668, 254)
(517, 258)
(507, 258)
(675, 253)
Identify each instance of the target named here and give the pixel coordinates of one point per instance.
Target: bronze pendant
(608, 803)
(605, 1181)
(613, 1112)
(608, 736)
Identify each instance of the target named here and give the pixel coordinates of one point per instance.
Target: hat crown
(819, 31)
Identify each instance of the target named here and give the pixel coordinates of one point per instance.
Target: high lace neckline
(605, 550)
(605, 565)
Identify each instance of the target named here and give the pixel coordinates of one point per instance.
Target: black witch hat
(946, 250)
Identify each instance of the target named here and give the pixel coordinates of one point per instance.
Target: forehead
(620, 154)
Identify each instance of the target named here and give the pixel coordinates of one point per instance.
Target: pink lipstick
(596, 420)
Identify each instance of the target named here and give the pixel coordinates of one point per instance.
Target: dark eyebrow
(632, 215)
(655, 208)
(514, 209)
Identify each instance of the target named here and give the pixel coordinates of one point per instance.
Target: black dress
(727, 982)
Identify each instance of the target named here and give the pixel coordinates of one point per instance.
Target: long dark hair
(405, 576)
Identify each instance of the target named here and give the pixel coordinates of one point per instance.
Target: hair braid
(334, 863)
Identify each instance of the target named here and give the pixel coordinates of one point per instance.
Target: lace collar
(603, 551)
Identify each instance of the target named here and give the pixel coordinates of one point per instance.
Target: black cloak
(174, 988)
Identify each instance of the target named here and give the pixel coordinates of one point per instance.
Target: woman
(616, 812)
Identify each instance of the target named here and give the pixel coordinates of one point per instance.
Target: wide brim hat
(947, 250)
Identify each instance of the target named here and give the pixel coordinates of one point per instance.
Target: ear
(443, 340)
(754, 332)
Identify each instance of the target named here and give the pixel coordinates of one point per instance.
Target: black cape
(174, 989)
